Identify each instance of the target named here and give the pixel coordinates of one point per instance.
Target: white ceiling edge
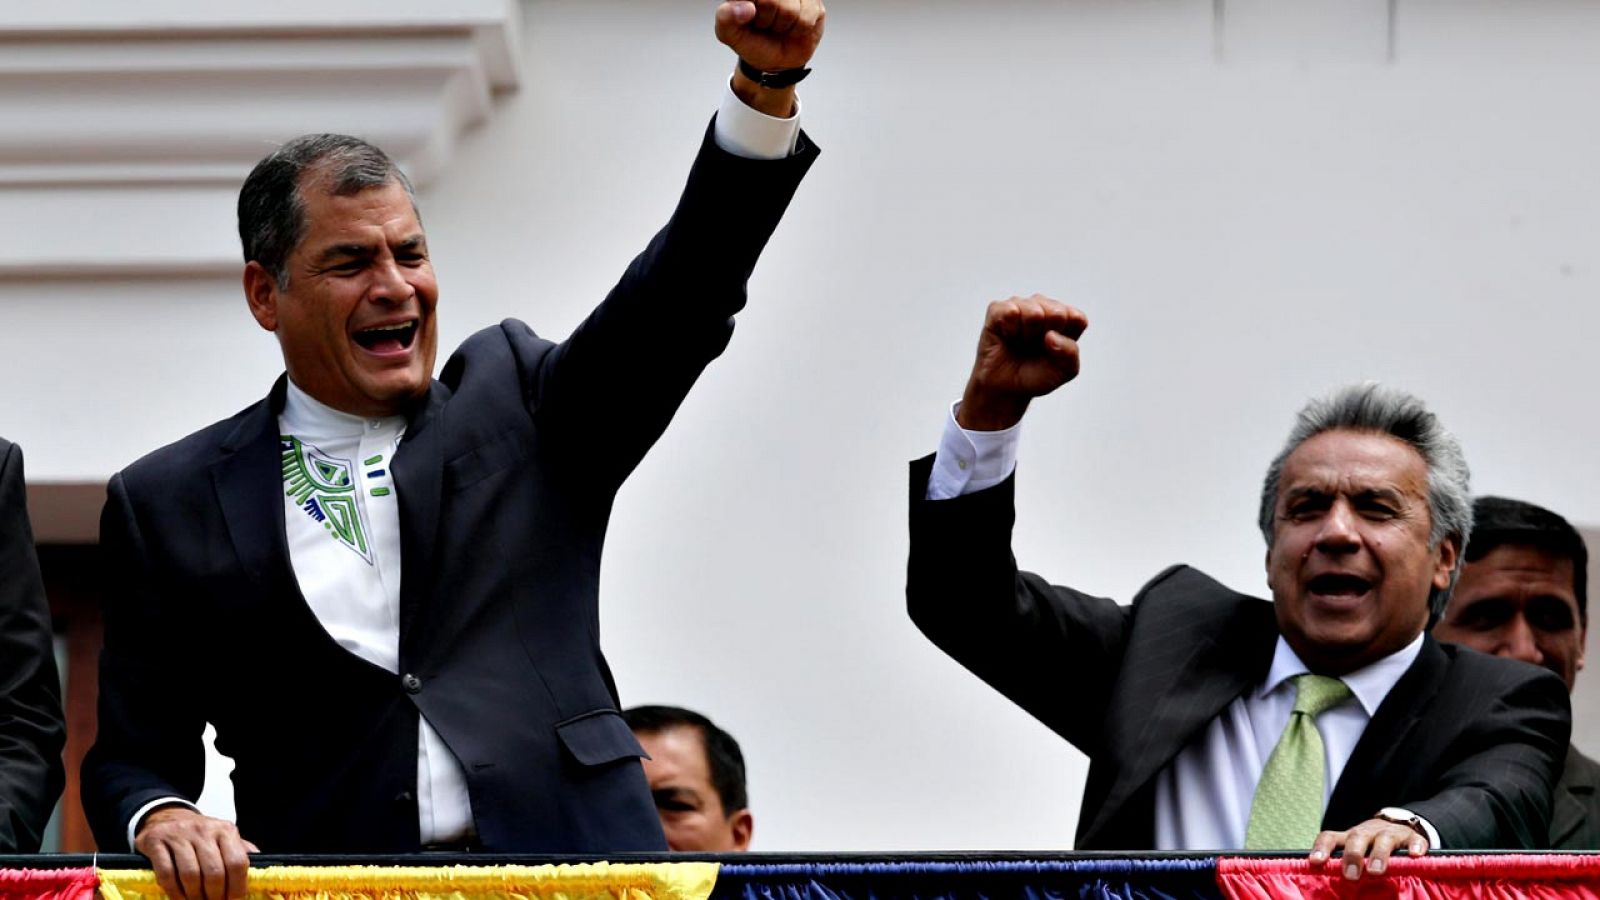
(167, 105)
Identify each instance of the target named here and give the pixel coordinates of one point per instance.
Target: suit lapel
(418, 476)
(1570, 803)
(1363, 786)
(1189, 691)
(249, 480)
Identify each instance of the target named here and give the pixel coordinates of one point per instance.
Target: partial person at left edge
(32, 731)
(381, 588)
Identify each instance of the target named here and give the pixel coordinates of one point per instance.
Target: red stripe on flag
(48, 884)
(1506, 877)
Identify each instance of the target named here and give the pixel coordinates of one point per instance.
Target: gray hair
(271, 210)
(1375, 408)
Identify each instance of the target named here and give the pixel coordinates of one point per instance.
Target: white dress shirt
(1203, 796)
(351, 580)
(350, 574)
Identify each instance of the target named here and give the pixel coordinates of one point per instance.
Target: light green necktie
(1286, 813)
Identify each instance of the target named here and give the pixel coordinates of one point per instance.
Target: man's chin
(395, 395)
(1330, 648)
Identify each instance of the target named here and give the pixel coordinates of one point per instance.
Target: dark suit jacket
(1575, 822)
(32, 731)
(1469, 742)
(505, 480)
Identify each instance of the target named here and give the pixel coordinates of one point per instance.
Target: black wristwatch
(780, 79)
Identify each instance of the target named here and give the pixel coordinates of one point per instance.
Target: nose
(389, 284)
(1338, 532)
(1517, 642)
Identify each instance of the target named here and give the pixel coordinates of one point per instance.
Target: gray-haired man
(1323, 720)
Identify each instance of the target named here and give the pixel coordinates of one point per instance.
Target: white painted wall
(1243, 234)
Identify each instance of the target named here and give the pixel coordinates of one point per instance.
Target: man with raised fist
(1323, 720)
(381, 587)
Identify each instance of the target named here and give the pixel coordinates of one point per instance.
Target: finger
(734, 13)
(1044, 314)
(190, 885)
(766, 14)
(1355, 853)
(1378, 855)
(1325, 844)
(788, 16)
(1063, 352)
(166, 873)
(1004, 318)
(1067, 319)
(249, 847)
(236, 863)
(213, 874)
(1417, 845)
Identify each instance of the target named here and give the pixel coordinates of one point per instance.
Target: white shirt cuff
(971, 461)
(138, 816)
(753, 134)
(1427, 829)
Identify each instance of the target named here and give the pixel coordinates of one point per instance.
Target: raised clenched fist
(1028, 348)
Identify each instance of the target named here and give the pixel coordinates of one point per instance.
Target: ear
(261, 292)
(743, 826)
(1449, 553)
(1267, 561)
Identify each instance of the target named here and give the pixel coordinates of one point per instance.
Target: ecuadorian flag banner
(1554, 876)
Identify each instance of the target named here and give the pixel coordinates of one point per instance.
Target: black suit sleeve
(1027, 639)
(609, 390)
(1494, 786)
(149, 740)
(32, 732)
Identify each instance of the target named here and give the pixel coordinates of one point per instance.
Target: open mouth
(1339, 585)
(387, 338)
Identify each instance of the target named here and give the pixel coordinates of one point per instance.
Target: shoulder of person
(1496, 674)
(176, 463)
(491, 347)
(1198, 593)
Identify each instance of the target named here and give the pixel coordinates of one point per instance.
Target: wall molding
(117, 116)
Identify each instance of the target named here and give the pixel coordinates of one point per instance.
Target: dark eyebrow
(1389, 494)
(414, 243)
(344, 251)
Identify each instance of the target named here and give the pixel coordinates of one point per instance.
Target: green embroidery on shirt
(324, 488)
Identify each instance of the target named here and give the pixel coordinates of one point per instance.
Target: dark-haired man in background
(696, 775)
(382, 588)
(1523, 594)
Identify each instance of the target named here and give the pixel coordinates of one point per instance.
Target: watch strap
(781, 78)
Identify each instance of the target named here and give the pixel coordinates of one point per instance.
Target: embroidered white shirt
(346, 558)
(360, 608)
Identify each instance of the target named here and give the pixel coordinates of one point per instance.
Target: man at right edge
(1324, 720)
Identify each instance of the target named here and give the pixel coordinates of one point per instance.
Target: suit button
(403, 797)
(411, 683)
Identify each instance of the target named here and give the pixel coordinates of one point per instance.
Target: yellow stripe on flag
(590, 881)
